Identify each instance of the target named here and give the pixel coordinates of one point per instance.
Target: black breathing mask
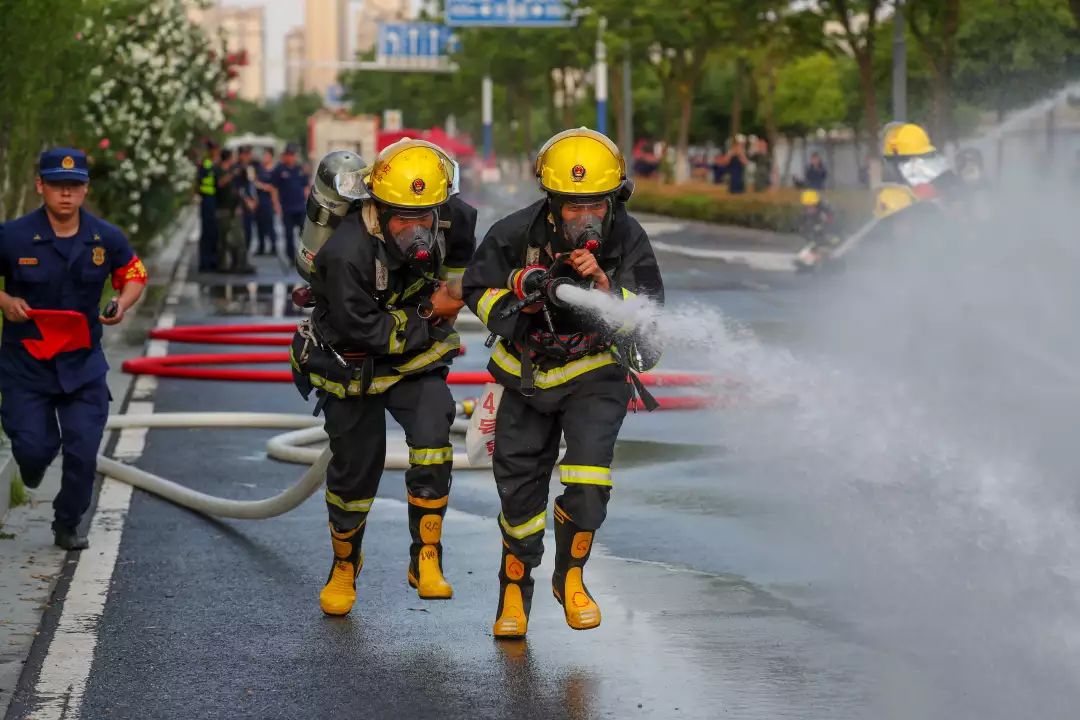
(417, 242)
(590, 224)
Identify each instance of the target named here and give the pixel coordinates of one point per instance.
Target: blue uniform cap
(63, 164)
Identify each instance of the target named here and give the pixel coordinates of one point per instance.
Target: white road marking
(756, 259)
(654, 229)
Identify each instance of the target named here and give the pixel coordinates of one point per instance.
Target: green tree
(857, 36)
(935, 25)
(42, 89)
(678, 39)
(809, 94)
(1025, 46)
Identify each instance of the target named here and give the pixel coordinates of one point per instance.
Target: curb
(7, 473)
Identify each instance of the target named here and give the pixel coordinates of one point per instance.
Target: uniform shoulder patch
(28, 261)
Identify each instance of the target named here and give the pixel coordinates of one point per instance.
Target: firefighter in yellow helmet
(891, 199)
(911, 159)
(564, 372)
(381, 338)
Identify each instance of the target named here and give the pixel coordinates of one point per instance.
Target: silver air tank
(338, 187)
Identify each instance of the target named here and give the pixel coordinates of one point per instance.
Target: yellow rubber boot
(515, 598)
(425, 567)
(339, 593)
(572, 548)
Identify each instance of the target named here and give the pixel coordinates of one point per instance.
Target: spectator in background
(234, 191)
(816, 173)
(645, 160)
(246, 163)
(292, 185)
(267, 206)
(733, 164)
(763, 165)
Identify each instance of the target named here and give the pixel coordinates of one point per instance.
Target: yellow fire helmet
(810, 198)
(905, 139)
(580, 162)
(892, 199)
(412, 174)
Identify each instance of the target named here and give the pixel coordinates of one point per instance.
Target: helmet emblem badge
(577, 173)
(418, 186)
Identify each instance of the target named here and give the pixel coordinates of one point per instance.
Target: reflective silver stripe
(430, 456)
(585, 475)
(451, 273)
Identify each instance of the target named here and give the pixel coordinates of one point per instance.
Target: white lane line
(278, 305)
(662, 228)
(757, 259)
(65, 671)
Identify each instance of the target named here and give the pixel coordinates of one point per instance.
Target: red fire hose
(194, 366)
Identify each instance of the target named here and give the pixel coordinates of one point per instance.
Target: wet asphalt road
(707, 585)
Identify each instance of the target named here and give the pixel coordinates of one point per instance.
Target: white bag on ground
(480, 437)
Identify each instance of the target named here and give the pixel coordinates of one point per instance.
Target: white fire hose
(291, 447)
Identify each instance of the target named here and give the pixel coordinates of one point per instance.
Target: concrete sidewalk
(30, 565)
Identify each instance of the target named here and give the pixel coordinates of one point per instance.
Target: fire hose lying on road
(303, 431)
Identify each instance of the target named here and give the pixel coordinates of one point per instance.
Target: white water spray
(932, 452)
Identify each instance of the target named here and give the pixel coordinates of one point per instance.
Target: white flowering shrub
(159, 87)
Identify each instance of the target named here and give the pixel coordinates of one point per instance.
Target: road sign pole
(601, 78)
(486, 116)
(627, 106)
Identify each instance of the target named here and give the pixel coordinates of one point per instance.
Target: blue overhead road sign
(520, 13)
(415, 40)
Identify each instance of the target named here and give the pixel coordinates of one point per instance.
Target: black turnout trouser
(423, 406)
(527, 447)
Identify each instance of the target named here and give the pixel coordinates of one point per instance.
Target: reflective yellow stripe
(351, 505)
(413, 288)
(556, 376)
(335, 389)
(430, 456)
(432, 354)
(525, 529)
(292, 361)
(397, 342)
(378, 385)
(585, 475)
(626, 295)
(429, 503)
(451, 273)
(488, 301)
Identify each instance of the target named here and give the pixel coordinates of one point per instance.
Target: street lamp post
(601, 78)
(486, 116)
(899, 70)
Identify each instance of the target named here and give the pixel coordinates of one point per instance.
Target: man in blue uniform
(55, 262)
(264, 212)
(292, 184)
(245, 159)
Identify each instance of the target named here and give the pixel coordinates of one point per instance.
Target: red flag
(61, 331)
